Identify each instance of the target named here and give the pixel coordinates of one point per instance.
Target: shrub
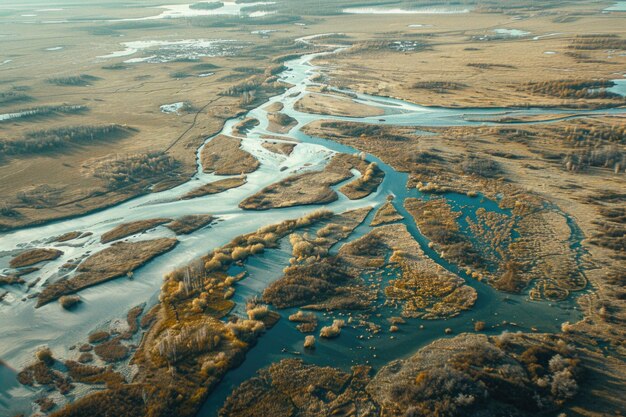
(332, 331)
(69, 301)
(45, 356)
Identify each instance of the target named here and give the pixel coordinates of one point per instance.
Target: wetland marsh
(194, 292)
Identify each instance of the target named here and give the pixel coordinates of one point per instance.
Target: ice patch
(513, 33)
(381, 10)
(172, 108)
(177, 11)
(620, 6)
(167, 51)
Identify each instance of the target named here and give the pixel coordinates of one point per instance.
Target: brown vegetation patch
(280, 122)
(111, 351)
(281, 148)
(34, 256)
(215, 187)
(364, 185)
(291, 387)
(422, 287)
(599, 41)
(335, 106)
(188, 224)
(67, 236)
(223, 155)
(438, 222)
(137, 169)
(93, 374)
(307, 188)
(471, 374)
(304, 284)
(575, 89)
(117, 260)
(245, 125)
(387, 213)
(128, 229)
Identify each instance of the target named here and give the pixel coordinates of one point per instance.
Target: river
(25, 328)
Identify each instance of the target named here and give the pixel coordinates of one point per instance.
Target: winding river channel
(25, 328)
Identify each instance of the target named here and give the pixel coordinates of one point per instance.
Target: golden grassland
(128, 229)
(481, 73)
(215, 187)
(190, 223)
(114, 89)
(386, 214)
(335, 106)
(223, 156)
(34, 256)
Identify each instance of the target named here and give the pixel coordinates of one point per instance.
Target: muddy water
(25, 328)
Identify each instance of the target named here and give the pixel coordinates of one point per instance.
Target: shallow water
(24, 328)
(167, 51)
(425, 10)
(513, 33)
(619, 87)
(177, 11)
(620, 6)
